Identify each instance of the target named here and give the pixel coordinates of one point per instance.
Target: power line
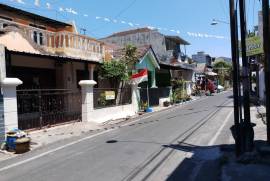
(223, 7)
(113, 20)
(117, 15)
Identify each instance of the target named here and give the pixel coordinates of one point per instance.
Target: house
(46, 47)
(50, 58)
(202, 57)
(169, 50)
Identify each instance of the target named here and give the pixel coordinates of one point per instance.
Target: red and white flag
(140, 77)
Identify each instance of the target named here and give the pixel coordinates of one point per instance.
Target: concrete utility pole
(266, 35)
(234, 49)
(248, 138)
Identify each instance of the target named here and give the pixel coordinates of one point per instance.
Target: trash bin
(22, 145)
(10, 141)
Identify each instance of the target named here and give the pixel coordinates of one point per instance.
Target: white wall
(112, 113)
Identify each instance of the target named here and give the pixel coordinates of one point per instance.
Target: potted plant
(166, 104)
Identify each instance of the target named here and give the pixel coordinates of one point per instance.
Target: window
(40, 39)
(35, 37)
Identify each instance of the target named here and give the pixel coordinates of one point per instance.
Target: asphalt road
(143, 150)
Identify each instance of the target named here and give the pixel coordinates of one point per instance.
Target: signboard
(254, 46)
(109, 95)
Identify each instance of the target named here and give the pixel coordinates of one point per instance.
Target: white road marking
(80, 140)
(213, 140)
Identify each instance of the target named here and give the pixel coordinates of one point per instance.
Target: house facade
(48, 58)
(170, 54)
(202, 57)
(170, 50)
(41, 46)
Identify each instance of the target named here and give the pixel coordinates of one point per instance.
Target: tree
(130, 56)
(115, 71)
(224, 70)
(118, 71)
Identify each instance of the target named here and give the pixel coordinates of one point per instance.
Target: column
(135, 97)
(10, 102)
(64, 41)
(87, 100)
(91, 68)
(153, 78)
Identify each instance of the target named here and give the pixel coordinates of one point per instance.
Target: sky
(189, 19)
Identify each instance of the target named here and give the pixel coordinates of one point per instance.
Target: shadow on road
(206, 163)
(203, 164)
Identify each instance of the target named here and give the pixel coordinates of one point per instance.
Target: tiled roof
(46, 20)
(128, 32)
(141, 50)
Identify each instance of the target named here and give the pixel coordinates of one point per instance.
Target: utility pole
(265, 10)
(234, 49)
(246, 85)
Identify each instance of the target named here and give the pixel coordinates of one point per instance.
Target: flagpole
(147, 87)
(147, 91)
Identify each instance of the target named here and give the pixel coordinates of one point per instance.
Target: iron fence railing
(40, 108)
(108, 97)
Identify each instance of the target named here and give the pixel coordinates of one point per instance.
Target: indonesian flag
(140, 77)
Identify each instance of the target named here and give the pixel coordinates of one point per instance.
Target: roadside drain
(111, 141)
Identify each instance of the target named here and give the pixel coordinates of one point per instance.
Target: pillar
(153, 79)
(91, 68)
(135, 97)
(10, 102)
(87, 99)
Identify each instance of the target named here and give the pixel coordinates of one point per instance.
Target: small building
(170, 55)
(50, 58)
(201, 57)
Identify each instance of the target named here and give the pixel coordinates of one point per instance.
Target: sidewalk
(252, 166)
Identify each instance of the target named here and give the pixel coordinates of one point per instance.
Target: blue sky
(174, 17)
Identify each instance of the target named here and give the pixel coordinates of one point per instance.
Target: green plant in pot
(166, 104)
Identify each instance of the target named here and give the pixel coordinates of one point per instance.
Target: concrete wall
(153, 38)
(2, 77)
(112, 113)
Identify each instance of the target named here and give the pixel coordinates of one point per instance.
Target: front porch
(50, 93)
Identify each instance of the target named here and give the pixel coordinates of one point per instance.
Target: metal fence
(42, 108)
(154, 95)
(2, 124)
(108, 97)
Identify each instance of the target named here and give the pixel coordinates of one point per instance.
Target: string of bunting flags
(72, 11)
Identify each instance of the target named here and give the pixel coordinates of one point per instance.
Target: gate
(154, 95)
(43, 108)
(2, 124)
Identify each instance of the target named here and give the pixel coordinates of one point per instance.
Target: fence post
(87, 99)
(10, 102)
(135, 97)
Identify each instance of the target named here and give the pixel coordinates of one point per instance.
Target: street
(156, 147)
